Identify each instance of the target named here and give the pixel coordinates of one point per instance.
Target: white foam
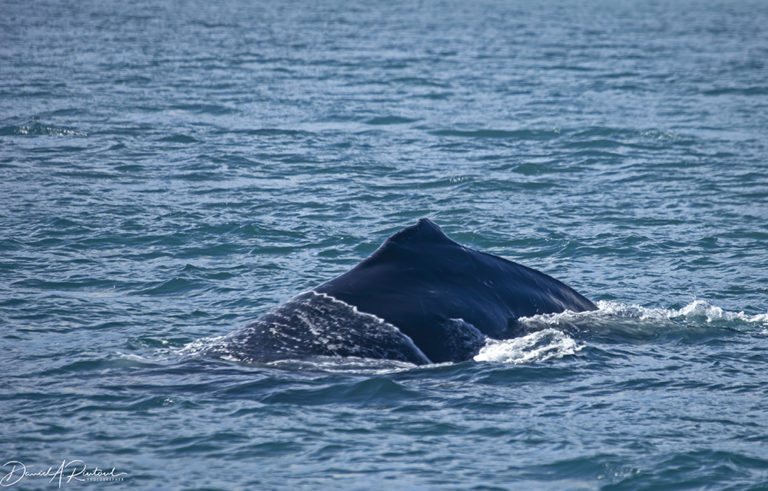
(698, 310)
(131, 356)
(199, 346)
(350, 364)
(535, 347)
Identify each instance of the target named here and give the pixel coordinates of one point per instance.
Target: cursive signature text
(68, 471)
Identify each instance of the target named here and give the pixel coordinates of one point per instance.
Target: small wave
(387, 120)
(271, 132)
(214, 109)
(618, 321)
(374, 391)
(698, 310)
(37, 129)
(538, 346)
(178, 138)
(174, 286)
(748, 91)
(501, 134)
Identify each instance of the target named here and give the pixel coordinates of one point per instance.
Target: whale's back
(427, 285)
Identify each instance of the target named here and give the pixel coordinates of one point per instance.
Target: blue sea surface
(170, 171)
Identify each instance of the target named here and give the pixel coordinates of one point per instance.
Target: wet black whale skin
(430, 286)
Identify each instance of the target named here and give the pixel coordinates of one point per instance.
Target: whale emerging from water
(420, 298)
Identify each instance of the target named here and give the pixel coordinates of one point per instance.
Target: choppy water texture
(171, 170)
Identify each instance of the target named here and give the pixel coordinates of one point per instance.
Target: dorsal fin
(424, 231)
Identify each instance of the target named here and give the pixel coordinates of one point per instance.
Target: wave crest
(538, 346)
(620, 322)
(698, 310)
(39, 129)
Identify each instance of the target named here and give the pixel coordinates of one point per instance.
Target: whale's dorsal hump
(424, 232)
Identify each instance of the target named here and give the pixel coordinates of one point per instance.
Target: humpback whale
(420, 297)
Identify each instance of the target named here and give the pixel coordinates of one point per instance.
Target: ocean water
(169, 171)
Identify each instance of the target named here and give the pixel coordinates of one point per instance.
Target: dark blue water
(171, 170)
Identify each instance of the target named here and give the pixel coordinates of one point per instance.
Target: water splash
(535, 347)
(696, 311)
(700, 309)
(621, 322)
